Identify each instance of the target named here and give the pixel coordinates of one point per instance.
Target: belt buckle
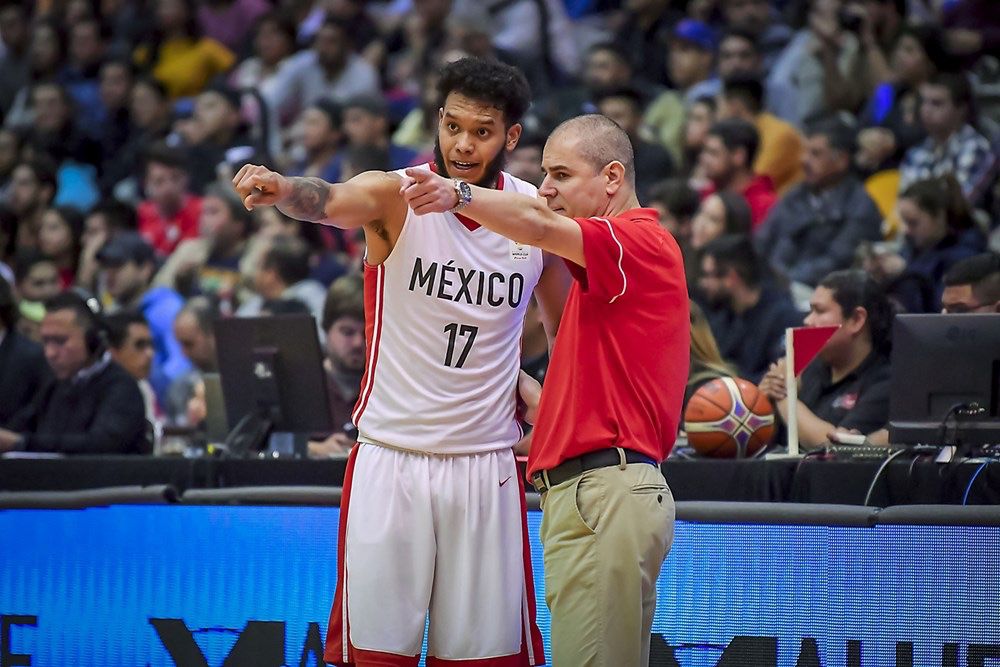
(538, 481)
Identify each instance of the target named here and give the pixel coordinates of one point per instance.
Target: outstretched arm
(519, 217)
(370, 198)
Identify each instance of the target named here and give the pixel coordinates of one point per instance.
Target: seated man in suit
(93, 406)
(23, 370)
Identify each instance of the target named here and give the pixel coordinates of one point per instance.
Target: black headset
(94, 334)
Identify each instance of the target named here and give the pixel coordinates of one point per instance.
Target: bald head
(599, 141)
(589, 169)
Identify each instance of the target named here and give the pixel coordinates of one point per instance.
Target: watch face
(464, 192)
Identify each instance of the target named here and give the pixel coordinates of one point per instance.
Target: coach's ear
(513, 136)
(614, 177)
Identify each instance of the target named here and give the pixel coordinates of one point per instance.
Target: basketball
(728, 418)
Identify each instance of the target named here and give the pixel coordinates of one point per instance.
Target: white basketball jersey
(443, 318)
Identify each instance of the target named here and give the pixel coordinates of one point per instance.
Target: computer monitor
(272, 377)
(942, 366)
(216, 423)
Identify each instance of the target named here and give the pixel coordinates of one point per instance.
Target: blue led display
(133, 585)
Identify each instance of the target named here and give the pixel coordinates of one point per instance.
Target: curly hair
(490, 81)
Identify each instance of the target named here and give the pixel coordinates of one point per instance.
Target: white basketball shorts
(444, 535)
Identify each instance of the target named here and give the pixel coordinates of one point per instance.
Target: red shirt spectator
(67, 277)
(727, 159)
(629, 392)
(760, 195)
(165, 234)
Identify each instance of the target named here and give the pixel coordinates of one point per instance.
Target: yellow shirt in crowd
(185, 65)
(780, 152)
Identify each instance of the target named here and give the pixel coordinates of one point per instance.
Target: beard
(493, 167)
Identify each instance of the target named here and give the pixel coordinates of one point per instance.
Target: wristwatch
(464, 194)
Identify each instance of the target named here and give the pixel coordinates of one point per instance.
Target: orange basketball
(728, 418)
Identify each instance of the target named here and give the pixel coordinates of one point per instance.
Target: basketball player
(611, 404)
(432, 516)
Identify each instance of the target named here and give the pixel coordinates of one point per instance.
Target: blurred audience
(972, 285)
(23, 370)
(283, 273)
(170, 212)
(953, 146)
(366, 123)
(178, 53)
(719, 214)
(727, 161)
(130, 344)
(779, 155)
(330, 69)
(747, 313)
(830, 133)
(127, 267)
(707, 363)
(815, 228)
(939, 232)
(344, 326)
(194, 329)
(652, 161)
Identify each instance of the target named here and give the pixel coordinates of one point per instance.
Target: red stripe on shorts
(537, 653)
(338, 650)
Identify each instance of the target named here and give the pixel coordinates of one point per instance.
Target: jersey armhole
(369, 229)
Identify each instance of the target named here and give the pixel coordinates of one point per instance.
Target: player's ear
(614, 175)
(513, 136)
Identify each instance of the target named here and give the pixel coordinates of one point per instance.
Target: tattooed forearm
(307, 200)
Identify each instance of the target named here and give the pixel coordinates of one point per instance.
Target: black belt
(570, 468)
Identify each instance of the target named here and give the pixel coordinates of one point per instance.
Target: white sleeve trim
(621, 257)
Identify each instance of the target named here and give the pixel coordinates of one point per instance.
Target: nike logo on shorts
(505, 481)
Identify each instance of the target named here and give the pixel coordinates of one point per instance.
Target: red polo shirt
(620, 362)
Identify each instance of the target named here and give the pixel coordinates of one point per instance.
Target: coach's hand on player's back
(426, 192)
(259, 186)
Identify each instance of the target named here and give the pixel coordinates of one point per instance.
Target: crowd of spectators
(782, 142)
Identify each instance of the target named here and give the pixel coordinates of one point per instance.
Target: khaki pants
(605, 534)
